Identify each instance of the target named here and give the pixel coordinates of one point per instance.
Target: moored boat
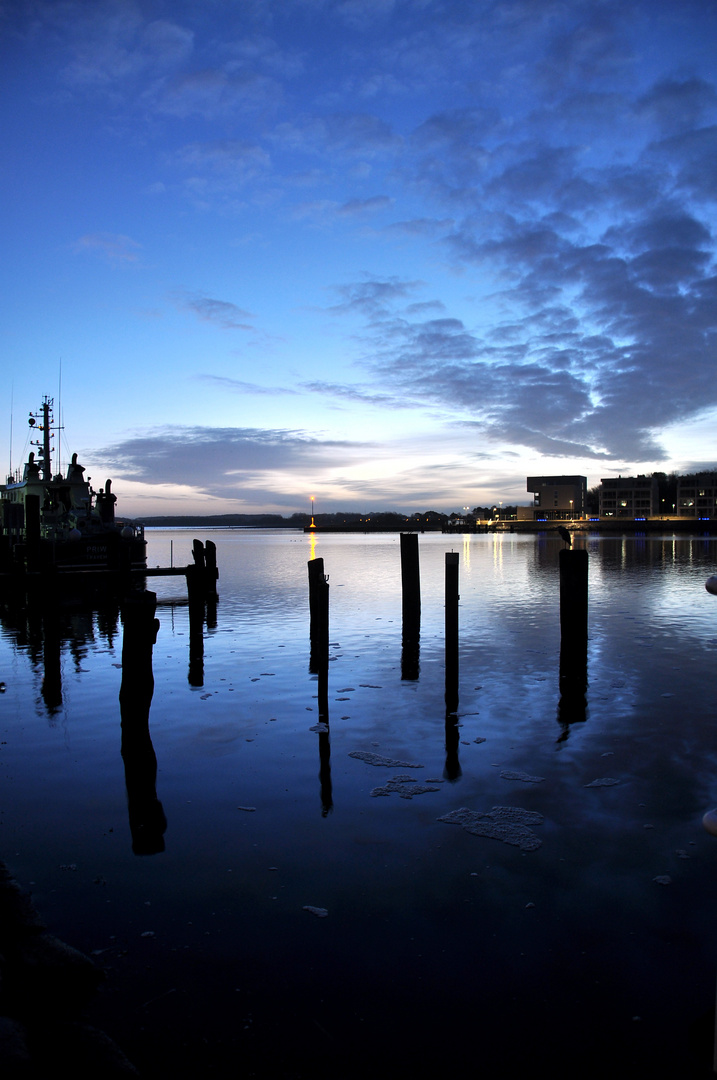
(57, 524)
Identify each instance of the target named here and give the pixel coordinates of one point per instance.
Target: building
(629, 497)
(697, 495)
(561, 497)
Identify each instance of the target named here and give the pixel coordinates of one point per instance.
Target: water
(440, 948)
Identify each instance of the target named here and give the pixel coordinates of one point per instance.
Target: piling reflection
(45, 628)
(147, 821)
(573, 705)
(326, 789)
(410, 657)
(452, 768)
(51, 651)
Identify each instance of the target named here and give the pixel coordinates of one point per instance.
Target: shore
(44, 989)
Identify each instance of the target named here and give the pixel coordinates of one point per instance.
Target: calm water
(441, 948)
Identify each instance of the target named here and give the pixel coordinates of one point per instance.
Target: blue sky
(392, 253)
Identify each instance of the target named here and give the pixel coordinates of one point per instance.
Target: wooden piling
(318, 613)
(210, 569)
(410, 585)
(195, 591)
(411, 607)
(573, 563)
(198, 553)
(452, 598)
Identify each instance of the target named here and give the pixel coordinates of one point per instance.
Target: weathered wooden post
(195, 591)
(211, 575)
(319, 632)
(318, 612)
(198, 553)
(452, 598)
(411, 606)
(410, 584)
(146, 815)
(573, 563)
(210, 568)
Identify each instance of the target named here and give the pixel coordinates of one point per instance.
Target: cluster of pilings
(202, 591)
(573, 566)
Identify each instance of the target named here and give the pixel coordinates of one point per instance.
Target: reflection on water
(105, 738)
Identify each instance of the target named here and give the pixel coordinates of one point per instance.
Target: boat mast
(46, 428)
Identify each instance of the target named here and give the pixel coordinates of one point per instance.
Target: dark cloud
(677, 104)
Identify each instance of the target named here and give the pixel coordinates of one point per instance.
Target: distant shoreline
(606, 526)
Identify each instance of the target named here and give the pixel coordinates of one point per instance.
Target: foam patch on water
(603, 781)
(510, 824)
(378, 759)
(405, 786)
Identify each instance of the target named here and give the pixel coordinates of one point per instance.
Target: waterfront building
(556, 497)
(629, 497)
(697, 495)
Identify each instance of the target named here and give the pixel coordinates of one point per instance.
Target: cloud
(358, 394)
(212, 92)
(593, 377)
(239, 387)
(347, 134)
(234, 159)
(224, 462)
(365, 206)
(371, 297)
(109, 43)
(219, 312)
(114, 247)
(677, 105)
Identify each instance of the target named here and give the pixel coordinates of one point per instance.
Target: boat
(58, 525)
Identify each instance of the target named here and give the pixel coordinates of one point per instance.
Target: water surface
(444, 949)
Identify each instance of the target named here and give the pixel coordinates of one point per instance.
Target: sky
(395, 254)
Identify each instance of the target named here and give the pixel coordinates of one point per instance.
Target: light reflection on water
(403, 890)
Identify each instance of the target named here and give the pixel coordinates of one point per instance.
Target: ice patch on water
(509, 774)
(405, 786)
(603, 781)
(510, 824)
(378, 759)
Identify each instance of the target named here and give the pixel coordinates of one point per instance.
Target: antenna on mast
(12, 399)
(59, 416)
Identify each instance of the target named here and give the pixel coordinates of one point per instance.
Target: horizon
(378, 251)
